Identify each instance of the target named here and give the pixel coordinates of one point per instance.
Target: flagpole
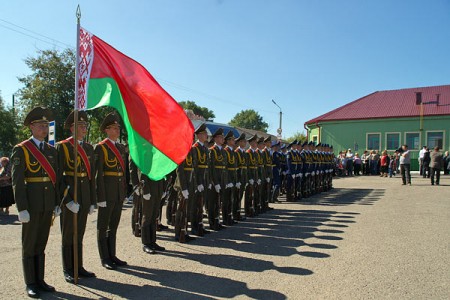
(75, 153)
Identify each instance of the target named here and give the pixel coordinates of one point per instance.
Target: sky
(231, 55)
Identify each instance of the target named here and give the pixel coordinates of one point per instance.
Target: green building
(386, 120)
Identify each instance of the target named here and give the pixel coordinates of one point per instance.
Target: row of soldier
(225, 175)
(218, 178)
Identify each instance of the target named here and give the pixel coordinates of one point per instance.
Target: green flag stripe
(151, 161)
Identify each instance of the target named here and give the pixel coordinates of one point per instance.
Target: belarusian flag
(159, 132)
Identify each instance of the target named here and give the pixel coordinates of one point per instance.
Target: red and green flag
(159, 132)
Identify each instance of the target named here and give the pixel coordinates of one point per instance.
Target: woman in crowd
(349, 156)
(384, 164)
(357, 164)
(6, 192)
(365, 162)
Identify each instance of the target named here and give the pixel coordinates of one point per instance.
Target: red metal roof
(392, 104)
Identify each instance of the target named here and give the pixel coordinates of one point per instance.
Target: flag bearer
(84, 166)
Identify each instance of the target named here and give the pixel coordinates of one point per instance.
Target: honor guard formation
(221, 182)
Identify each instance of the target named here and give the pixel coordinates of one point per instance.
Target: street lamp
(279, 130)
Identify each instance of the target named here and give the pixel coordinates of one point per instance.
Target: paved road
(369, 238)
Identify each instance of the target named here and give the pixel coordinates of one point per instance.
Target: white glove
(24, 216)
(251, 181)
(238, 185)
(137, 191)
(200, 188)
(101, 204)
(268, 179)
(258, 181)
(91, 209)
(209, 186)
(73, 207)
(293, 176)
(163, 195)
(125, 200)
(146, 196)
(185, 194)
(230, 185)
(57, 211)
(217, 187)
(300, 175)
(284, 173)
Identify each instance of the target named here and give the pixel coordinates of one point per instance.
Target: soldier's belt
(37, 179)
(219, 167)
(188, 169)
(232, 169)
(69, 173)
(108, 173)
(203, 166)
(242, 167)
(271, 165)
(253, 167)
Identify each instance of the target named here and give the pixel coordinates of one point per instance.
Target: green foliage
(51, 84)
(299, 136)
(198, 110)
(249, 119)
(7, 130)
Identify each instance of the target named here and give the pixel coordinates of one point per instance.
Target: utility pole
(279, 130)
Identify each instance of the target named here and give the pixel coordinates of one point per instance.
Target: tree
(52, 84)
(249, 119)
(198, 110)
(7, 130)
(299, 136)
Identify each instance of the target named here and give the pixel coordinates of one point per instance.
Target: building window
(412, 139)
(435, 138)
(314, 139)
(373, 141)
(392, 141)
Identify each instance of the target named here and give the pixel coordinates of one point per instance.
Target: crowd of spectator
(385, 164)
(369, 163)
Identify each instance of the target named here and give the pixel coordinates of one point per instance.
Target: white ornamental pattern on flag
(86, 59)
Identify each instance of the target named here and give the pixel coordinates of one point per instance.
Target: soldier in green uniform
(230, 185)
(268, 173)
(217, 165)
(185, 186)
(241, 176)
(111, 160)
(259, 196)
(35, 178)
(201, 172)
(86, 193)
(152, 191)
(252, 172)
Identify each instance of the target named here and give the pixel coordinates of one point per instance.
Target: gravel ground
(368, 238)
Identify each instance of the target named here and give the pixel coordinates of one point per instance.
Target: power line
(53, 42)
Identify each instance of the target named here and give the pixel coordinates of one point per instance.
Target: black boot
(67, 260)
(104, 253)
(153, 244)
(29, 274)
(40, 271)
(82, 272)
(112, 251)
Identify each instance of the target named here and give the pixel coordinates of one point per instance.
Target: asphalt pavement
(367, 238)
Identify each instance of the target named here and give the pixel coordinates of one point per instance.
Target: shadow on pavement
(179, 285)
